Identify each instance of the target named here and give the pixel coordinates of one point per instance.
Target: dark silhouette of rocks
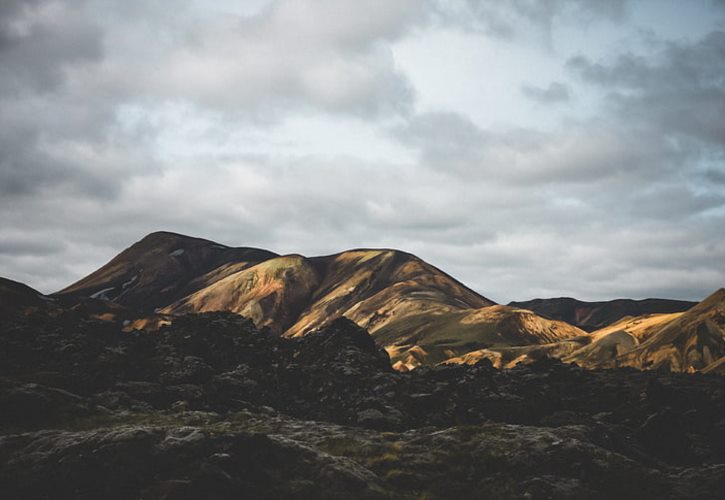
(211, 407)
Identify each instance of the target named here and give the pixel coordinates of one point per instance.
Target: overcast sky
(530, 148)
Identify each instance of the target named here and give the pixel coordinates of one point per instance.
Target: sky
(529, 148)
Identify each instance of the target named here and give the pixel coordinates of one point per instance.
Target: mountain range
(592, 316)
(417, 312)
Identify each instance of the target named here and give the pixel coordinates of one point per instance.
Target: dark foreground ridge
(209, 407)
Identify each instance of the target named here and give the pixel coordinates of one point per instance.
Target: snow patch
(177, 252)
(47, 299)
(126, 322)
(220, 247)
(102, 294)
(129, 282)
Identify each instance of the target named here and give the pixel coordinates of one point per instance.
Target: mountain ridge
(592, 316)
(417, 312)
(389, 292)
(169, 265)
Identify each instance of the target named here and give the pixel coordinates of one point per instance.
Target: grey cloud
(579, 209)
(676, 202)
(39, 40)
(579, 152)
(66, 147)
(447, 141)
(302, 54)
(55, 126)
(22, 244)
(679, 91)
(556, 92)
(715, 176)
(69, 69)
(511, 19)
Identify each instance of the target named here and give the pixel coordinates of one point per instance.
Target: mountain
(376, 287)
(271, 293)
(692, 342)
(294, 295)
(609, 343)
(418, 313)
(424, 339)
(161, 268)
(407, 305)
(18, 299)
(592, 316)
(682, 341)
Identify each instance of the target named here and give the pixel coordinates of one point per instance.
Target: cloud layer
(294, 126)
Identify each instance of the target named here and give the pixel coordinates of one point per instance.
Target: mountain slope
(424, 339)
(681, 342)
(374, 287)
(592, 316)
(608, 343)
(691, 342)
(162, 268)
(271, 293)
(293, 295)
(18, 299)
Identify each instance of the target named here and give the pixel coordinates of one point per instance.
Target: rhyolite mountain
(609, 343)
(161, 268)
(592, 316)
(688, 341)
(416, 311)
(692, 342)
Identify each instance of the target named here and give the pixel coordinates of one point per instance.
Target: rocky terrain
(211, 407)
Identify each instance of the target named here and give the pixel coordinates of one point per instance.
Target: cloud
(556, 92)
(292, 126)
(680, 90)
(304, 54)
(69, 71)
(515, 18)
(39, 41)
(578, 152)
